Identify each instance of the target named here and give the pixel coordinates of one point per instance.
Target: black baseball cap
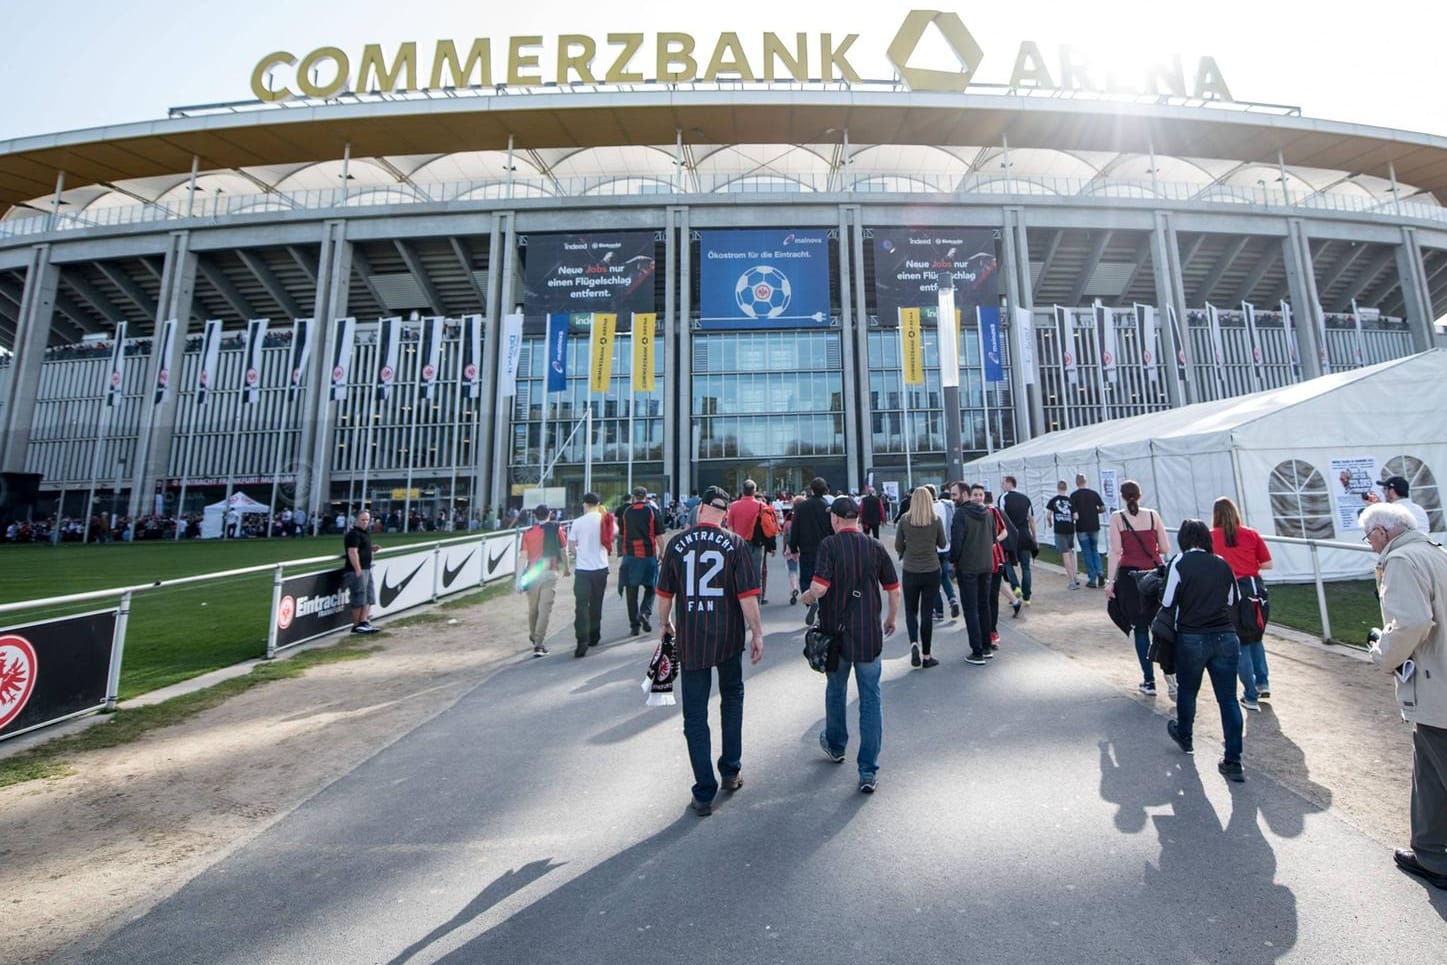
(715, 494)
(1397, 484)
(845, 508)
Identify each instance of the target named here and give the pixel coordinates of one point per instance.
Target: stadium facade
(1109, 254)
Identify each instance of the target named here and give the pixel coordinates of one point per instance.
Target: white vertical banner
(947, 329)
(1258, 369)
(1361, 339)
(1025, 323)
(1183, 365)
(1218, 349)
(1289, 325)
(251, 377)
(389, 339)
(342, 356)
(302, 330)
(210, 353)
(1109, 345)
(471, 374)
(1069, 365)
(432, 327)
(512, 350)
(163, 343)
(1145, 318)
(115, 378)
(1321, 340)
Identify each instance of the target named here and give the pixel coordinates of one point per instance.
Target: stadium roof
(279, 140)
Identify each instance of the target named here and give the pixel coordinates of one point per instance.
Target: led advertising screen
(608, 271)
(764, 279)
(908, 263)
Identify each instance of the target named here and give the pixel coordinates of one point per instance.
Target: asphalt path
(1026, 812)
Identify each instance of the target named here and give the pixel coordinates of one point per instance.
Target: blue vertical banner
(775, 278)
(557, 357)
(992, 343)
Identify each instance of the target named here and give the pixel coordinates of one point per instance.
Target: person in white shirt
(1396, 490)
(945, 510)
(589, 537)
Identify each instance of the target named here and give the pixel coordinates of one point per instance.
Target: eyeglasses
(1367, 537)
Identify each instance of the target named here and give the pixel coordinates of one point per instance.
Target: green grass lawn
(1351, 605)
(174, 633)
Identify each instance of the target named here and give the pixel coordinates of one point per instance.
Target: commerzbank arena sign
(631, 58)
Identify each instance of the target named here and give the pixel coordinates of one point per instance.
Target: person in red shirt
(1243, 548)
(543, 561)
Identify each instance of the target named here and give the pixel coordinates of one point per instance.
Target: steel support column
(687, 479)
(506, 232)
(1416, 297)
(1305, 298)
(672, 411)
(850, 373)
(1029, 411)
(334, 276)
(492, 408)
(859, 326)
(1170, 291)
(33, 318)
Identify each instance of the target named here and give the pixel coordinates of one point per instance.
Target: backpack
(1252, 610)
(768, 523)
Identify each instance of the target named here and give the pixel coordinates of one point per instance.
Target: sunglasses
(722, 506)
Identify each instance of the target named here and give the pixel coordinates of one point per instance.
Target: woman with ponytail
(1138, 541)
(1244, 549)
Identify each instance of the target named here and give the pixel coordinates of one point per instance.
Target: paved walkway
(1028, 811)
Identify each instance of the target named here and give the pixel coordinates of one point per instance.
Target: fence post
(118, 646)
(436, 570)
(1320, 595)
(276, 580)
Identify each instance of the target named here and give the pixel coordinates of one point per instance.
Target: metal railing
(851, 182)
(1316, 545)
(278, 570)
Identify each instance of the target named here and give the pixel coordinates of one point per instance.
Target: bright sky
(73, 64)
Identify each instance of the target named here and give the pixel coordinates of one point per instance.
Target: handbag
(1163, 639)
(821, 648)
(1252, 609)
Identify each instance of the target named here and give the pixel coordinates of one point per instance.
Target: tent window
(1423, 486)
(1300, 506)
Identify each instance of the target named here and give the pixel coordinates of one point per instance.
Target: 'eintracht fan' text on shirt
(706, 571)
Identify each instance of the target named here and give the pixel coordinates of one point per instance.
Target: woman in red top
(1244, 549)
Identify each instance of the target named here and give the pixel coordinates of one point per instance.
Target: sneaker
(732, 782)
(994, 637)
(702, 808)
(540, 651)
(1090, 584)
(990, 652)
(1172, 687)
(978, 659)
(1186, 746)
(1015, 609)
(1148, 688)
(1072, 585)
(914, 659)
(633, 630)
(939, 616)
(954, 611)
(793, 597)
(1026, 601)
(929, 662)
(360, 628)
(1251, 705)
(1263, 694)
(868, 784)
(645, 623)
(1232, 770)
(1015, 592)
(824, 746)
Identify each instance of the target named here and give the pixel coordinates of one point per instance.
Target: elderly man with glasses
(1412, 585)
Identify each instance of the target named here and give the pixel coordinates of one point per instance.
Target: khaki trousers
(540, 605)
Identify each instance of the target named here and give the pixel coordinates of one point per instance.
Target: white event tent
(1296, 459)
(213, 520)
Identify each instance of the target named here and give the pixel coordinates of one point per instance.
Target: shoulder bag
(821, 648)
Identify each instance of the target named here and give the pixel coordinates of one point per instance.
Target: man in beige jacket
(1412, 584)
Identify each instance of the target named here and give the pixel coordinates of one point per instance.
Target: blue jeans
(871, 714)
(1252, 669)
(1217, 654)
(696, 685)
(1023, 583)
(947, 584)
(1143, 647)
(1090, 555)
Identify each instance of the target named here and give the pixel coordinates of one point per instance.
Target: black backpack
(1252, 610)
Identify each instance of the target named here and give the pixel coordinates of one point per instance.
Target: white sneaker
(1171, 687)
(1250, 705)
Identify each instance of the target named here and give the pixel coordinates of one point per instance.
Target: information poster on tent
(909, 264)
(1350, 479)
(1109, 490)
(769, 278)
(601, 271)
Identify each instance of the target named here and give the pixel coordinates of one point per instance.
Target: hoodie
(972, 538)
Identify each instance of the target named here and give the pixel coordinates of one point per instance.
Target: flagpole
(632, 378)
(457, 422)
(412, 436)
(231, 456)
(984, 384)
(186, 463)
(367, 444)
(588, 450)
(102, 428)
(904, 402)
(286, 408)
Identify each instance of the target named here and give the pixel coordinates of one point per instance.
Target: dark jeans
(975, 607)
(1218, 655)
(806, 570)
(1023, 583)
(945, 584)
(919, 592)
(995, 580)
(1142, 654)
(635, 572)
(871, 529)
(588, 588)
(695, 687)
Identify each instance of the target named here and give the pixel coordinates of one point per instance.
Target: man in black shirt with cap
(810, 528)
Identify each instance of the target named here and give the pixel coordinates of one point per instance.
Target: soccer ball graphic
(763, 292)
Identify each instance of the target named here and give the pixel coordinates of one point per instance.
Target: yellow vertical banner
(601, 361)
(644, 324)
(909, 330)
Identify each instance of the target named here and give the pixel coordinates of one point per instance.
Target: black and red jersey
(706, 571)
(850, 561)
(639, 525)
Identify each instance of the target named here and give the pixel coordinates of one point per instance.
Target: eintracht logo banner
(432, 352)
(342, 357)
(251, 378)
(210, 354)
(116, 376)
(388, 338)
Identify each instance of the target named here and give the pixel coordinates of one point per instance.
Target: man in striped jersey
(848, 574)
(711, 574)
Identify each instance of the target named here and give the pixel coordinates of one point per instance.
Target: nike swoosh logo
(390, 593)
(495, 558)
(449, 573)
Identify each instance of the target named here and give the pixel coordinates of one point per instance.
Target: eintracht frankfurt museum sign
(629, 58)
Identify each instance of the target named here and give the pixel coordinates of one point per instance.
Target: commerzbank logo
(961, 41)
